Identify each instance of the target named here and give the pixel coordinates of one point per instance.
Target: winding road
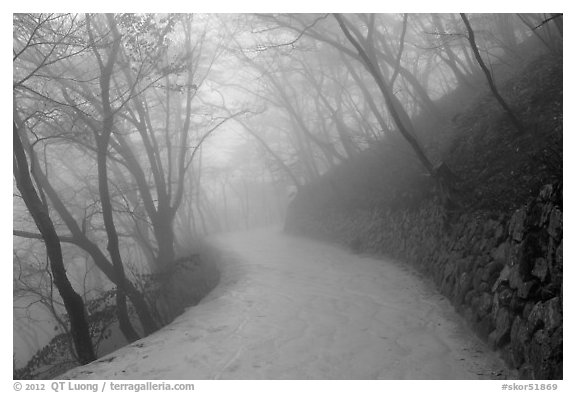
(291, 308)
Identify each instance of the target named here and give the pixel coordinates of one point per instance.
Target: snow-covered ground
(291, 308)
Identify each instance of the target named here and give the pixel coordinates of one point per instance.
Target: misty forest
(287, 196)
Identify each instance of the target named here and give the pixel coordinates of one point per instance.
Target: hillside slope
(498, 254)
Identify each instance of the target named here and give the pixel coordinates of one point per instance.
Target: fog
(138, 136)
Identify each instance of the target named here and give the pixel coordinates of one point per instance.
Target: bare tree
(441, 173)
(391, 103)
(72, 301)
(471, 38)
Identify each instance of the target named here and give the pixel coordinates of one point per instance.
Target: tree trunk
(441, 173)
(400, 118)
(102, 142)
(113, 243)
(164, 234)
(367, 96)
(72, 301)
(515, 121)
(80, 239)
(452, 59)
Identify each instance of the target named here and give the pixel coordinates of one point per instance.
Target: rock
(505, 297)
(527, 289)
(462, 287)
(540, 269)
(555, 223)
(528, 307)
(500, 253)
(545, 214)
(517, 304)
(556, 265)
(553, 314)
(477, 279)
(530, 250)
(518, 339)
(545, 193)
(501, 334)
(514, 254)
(514, 278)
(559, 254)
(491, 272)
(549, 291)
(551, 252)
(534, 216)
(484, 304)
(498, 232)
(542, 355)
(502, 278)
(558, 358)
(516, 226)
(536, 317)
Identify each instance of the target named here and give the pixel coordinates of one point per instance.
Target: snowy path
(290, 308)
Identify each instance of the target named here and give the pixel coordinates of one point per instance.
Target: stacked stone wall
(503, 273)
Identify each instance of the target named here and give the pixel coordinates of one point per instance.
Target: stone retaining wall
(503, 273)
